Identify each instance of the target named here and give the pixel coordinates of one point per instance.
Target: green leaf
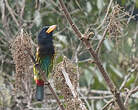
(136, 3)
(88, 77)
(98, 74)
(130, 81)
(116, 71)
(108, 45)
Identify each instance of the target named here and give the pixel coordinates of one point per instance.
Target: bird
(44, 57)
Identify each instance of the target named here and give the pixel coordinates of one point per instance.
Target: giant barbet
(44, 57)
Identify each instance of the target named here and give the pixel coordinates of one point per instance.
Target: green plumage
(44, 57)
(45, 64)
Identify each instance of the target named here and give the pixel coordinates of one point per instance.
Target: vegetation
(110, 27)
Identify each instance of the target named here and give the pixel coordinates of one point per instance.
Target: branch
(87, 60)
(102, 93)
(133, 91)
(67, 15)
(84, 98)
(7, 34)
(47, 82)
(99, 97)
(102, 39)
(71, 87)
(107, 104)
(37, 4)
(107, 12)
(11, 12)
(99, 92)
(109, 82)
(125, 81)
(22, 10)
(3, 12)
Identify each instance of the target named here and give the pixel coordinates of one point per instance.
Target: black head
(45, 36)
(46, 32)
(45, 41)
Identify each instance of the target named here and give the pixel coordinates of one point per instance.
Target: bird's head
(47, 32)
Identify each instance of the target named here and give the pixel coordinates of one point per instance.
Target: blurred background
(119, 52)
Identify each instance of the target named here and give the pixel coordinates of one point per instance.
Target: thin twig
(22, 10)
(125, 80)
(102, 92)
(11, 12)
(107, 104)
(84, 98)
(133, 91)
(109, 82)
(99, 92)
(67, 15)
(71, 87)
(4, 21)
(131, 15)
(99, 97)
(37, 4)
(3, 12)
(47, 82)
(107, 12)
(89, 60)
(76, 51)
(3, 33)
(102, 39)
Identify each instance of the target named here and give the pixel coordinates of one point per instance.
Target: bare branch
(125, 80)
(129, 94)
(67, 15)
(37, 4)
(107, 12)
(69, 83)
(100, 92)
(3, 12)
(109, 82)
(102, 39)
(22, 9)
(89, 60)
(11, 12)
(110, 102)
(84, 98)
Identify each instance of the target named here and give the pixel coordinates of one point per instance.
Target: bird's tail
(40, 91)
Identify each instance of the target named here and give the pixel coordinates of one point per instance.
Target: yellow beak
(51, 28)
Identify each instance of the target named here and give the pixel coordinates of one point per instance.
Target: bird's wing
(36, 72)
(45, 62)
